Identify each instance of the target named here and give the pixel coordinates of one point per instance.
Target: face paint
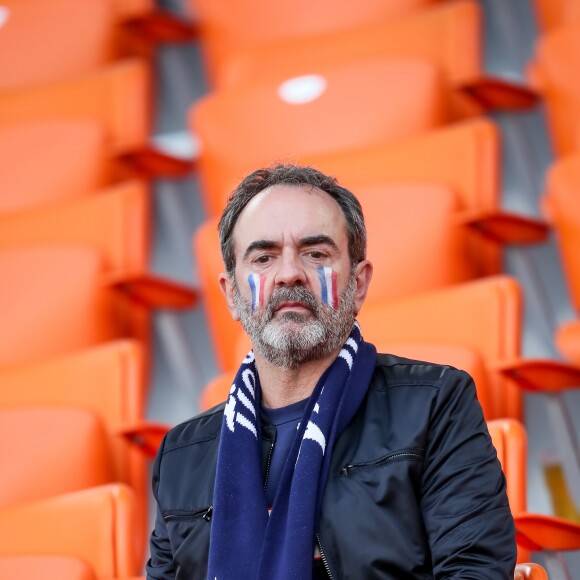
(327, 277)
(256, 282)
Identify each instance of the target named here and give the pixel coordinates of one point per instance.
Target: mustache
(291, 294)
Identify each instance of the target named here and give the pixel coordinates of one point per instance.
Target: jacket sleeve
(160, 565)
(464, 503)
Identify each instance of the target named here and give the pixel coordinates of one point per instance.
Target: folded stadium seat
(461, 357)
(53, 567)
(75, 168)
(553, 73)
(55, 299)
(530, 571)
(510, 441)
(228, 26)
(94, 525)
(551, 14)
(484, 315)
(534, 532)
(117, 97)
(50, 451)
(562, 207)
(108, 380)
(333, 109)
(72, 38)
(116, 223)
(449, 34)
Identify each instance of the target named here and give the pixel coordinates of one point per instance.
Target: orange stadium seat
(108, 380)
(562, 205)
(226, 26)
(553, 73)
(117, 97)
(242, 128)
(116, 221)
(50, 451)
(556, 13)
(534, 532)
(74, 168)
(484, 315)
(72, 38)
(52, 567)
(449, 34)
(55, 299)
(93, 525)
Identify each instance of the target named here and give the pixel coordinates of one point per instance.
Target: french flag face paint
(327, 277)
(256, 282)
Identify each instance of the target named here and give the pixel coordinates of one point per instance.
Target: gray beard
(291, 339)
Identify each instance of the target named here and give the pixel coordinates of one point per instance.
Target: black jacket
(415, 489)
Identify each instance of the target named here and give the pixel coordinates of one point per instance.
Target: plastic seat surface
(228, 26)
(326, 111)
(448, 34)
(530, 571)
(60, 49)
(553, 73)
(108, 380)
(50, 451)
(484, 315)
(75, 168)
(115, 220)
(54, 567)
(94, 525)
(54, 300)
(117, 97)
(552, 14)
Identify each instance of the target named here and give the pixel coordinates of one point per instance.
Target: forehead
(290, 212)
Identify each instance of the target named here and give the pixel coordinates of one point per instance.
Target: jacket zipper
(268, 462)
(324, 560)
(204, 514)
(348, 468)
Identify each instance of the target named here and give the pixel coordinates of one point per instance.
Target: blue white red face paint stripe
(256, 282)
(328, 277)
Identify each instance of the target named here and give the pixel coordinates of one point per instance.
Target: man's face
(294, 289)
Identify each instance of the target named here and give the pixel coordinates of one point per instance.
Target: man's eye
(316, 255)
(262, 259)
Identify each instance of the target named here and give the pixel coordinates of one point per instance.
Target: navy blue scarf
(245, 542)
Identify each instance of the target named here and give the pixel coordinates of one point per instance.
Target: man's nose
(290, 271)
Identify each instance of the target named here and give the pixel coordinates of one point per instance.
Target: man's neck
(282, 386)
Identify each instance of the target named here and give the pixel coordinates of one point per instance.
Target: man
(327, 460)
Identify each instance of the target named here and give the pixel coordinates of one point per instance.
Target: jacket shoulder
(391, 370)
(198, 429)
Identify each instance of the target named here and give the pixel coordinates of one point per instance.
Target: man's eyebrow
(319, 240)
(260, 245)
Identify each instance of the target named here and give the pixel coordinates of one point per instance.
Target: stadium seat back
(329, 110)
(75, 168)
(53, 567)
(117, 97)
(51, 450)
(116, 221)
(94, 525)
(70, 38)
(447, 34)
(484, 315)
(227, 26)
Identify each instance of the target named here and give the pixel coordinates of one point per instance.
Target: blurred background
(124, 126)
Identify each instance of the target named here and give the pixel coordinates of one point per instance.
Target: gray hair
(297, 176)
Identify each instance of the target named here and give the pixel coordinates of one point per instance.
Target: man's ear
(362, 275)
(227, 286)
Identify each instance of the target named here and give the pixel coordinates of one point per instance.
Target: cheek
(328, 286)
(257, 283)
